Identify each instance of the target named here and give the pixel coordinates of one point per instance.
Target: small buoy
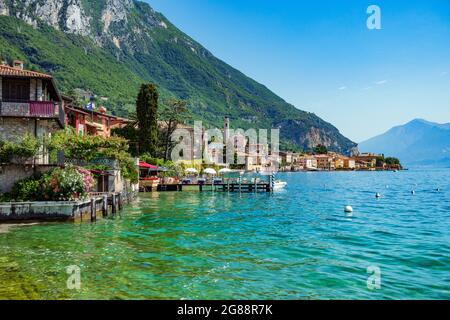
(378, 195)
(413, 192)
(348, 209)
(438, 189)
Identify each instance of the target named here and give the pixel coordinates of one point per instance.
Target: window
(16, 90)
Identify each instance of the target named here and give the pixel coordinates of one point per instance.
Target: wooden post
(120, 201)
(93, 210)
(114, 208)
(105, 205)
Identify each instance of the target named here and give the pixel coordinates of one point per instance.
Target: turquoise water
(294, 244)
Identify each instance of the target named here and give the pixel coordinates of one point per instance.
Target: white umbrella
(191, 170)
(224, 170)
(210, 171)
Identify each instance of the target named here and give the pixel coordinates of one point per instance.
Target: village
(46, 137)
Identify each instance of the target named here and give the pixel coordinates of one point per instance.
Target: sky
(321, 57)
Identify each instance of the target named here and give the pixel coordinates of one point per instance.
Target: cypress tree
(147, 115)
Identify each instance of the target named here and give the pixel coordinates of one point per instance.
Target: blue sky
(321, 57)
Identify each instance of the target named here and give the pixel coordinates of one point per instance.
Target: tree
(392, 161)
(380, 161)
(176, 113)
(320, 149)
(147, 116)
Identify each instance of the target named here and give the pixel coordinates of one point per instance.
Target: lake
(294, 244)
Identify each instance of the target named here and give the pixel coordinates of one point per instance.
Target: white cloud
(444, 73)
(378, 83)
(343, 88)
(367, 88)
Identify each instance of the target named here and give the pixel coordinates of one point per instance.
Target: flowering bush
(67, 184)
(61, 184)
(88, 179)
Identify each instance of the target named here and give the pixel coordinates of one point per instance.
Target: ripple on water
(295, 244)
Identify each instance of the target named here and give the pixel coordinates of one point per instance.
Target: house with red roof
(29, 104)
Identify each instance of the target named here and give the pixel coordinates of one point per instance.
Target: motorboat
(278, 184)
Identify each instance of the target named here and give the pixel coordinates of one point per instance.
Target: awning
(146, 165)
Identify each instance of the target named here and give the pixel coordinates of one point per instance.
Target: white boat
(278, 184)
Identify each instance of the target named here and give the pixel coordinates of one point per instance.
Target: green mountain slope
(110, 46)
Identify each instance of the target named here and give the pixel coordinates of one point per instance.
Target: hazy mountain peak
(418, 141)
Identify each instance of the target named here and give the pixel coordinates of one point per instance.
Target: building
(257, 157)
(325, 162)
(90, 122)
(366, 160)
(306, 163)
(29, 104)
(349, 163)
(344, 163)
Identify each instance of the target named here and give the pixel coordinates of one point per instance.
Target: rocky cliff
(109, 47)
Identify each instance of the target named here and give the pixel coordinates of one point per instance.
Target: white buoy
(413, 192)
(348, 209)
(378, 195)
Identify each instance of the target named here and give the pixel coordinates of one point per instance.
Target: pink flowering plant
(67, 184)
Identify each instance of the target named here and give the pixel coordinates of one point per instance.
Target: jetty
(98, 205)
(220, 187)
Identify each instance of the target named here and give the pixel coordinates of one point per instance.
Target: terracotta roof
(15, 72)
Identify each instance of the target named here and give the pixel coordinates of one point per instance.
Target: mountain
(109, 47)
(418, 142)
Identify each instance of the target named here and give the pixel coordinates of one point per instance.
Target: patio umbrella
(191, 170)
(210, 171)
(224, 170)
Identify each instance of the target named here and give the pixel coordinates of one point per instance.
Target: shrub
(67, 184)
(25, 149)
(87, 148)
(27, 190)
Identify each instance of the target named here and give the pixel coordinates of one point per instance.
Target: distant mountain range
(418, 142)
(109, 47)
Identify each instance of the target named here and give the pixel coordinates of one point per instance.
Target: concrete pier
(99, 205)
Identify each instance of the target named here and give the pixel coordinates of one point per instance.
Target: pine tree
(147, 115)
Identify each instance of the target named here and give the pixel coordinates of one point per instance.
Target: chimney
(18, 64)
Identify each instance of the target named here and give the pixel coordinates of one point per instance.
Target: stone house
(29, 104)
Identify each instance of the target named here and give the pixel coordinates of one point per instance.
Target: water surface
(294, 244)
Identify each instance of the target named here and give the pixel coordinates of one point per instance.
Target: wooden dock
(221, 187)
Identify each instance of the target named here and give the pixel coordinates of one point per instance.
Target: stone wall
(14, 129)
(21, 109)
(11, 173)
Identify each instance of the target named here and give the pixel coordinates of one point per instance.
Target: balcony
(33, 109)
